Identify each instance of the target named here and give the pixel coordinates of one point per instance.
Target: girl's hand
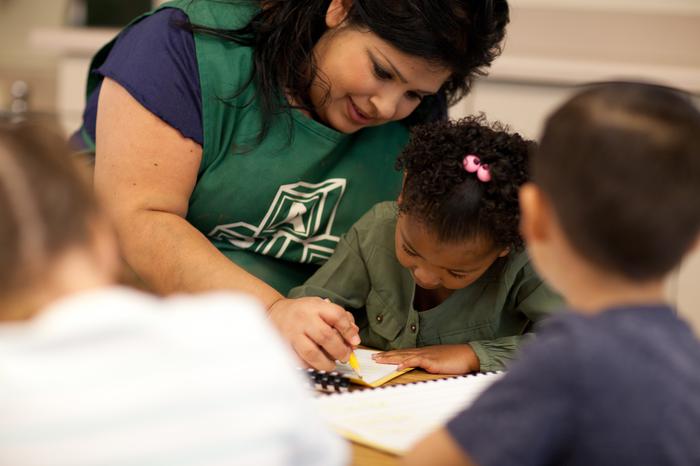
(319, 331)
(438, 359)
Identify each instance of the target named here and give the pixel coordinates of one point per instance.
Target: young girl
(613, 209)
(94, 373)
(440, 277)
(237, 140)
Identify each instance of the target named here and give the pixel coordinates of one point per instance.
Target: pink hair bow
(472, 164)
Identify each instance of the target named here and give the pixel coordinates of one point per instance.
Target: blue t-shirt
(618, 388)
(155, 60)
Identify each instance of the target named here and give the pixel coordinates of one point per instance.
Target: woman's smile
(356, 115)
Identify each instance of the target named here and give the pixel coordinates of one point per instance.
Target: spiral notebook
(394, 418)
(372, 374)
(327, 382)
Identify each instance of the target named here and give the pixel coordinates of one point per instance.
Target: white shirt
(118, 377)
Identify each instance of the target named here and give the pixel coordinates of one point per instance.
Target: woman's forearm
(145, 172)
(171, 255)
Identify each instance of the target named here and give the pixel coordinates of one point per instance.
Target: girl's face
(370, 81)
(434, 264)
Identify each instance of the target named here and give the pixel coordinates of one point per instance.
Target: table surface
(366, 456)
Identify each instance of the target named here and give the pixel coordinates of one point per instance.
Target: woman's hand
(438, 359)
(319, 331)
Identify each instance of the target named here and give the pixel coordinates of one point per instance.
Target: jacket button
(380, 318)
(413, 328)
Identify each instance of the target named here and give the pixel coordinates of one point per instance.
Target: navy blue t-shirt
(618, 388)
(155, 60)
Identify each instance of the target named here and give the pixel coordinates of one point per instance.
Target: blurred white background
(552, 46)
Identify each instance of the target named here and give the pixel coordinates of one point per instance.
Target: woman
(236, 141)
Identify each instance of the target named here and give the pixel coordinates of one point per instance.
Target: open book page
(394, 418)
(373, 374)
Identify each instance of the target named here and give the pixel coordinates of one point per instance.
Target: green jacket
(493, 314)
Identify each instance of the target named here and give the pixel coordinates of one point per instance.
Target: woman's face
(370, 81)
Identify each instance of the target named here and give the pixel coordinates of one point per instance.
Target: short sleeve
(155, 61)
(525, 416)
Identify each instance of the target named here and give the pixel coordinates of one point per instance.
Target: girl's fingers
(393, 357)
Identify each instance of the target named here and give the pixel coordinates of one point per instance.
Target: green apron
(277, 208)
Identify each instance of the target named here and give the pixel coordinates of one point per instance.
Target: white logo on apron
(301, 214)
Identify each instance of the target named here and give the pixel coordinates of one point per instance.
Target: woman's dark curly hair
(439, 192)
(462, 35)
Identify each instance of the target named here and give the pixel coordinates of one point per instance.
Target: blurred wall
(18, 59)
(22, 60)
(553, 46)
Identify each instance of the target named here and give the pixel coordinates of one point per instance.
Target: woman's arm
(145, 172)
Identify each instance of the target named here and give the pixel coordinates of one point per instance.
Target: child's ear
(535, 214)
(337, 12)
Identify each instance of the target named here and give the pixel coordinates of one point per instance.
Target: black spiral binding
(446, 377)
(418, 382)
(329, 382)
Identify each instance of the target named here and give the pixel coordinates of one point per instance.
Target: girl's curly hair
(439, 192)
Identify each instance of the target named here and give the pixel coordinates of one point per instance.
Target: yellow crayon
(354, 364)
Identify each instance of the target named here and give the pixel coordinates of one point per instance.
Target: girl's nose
(425, 278)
